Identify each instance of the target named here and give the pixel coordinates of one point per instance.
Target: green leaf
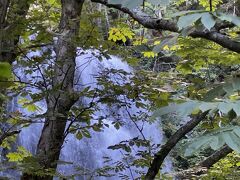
(114, 1)
(180, 13)
(130, 4)
(225, 107)
(236, 84)
(238, 164)
(228, 88)
(216, 139)
(230, 18)
(208, 21)
(79, 135)
(213, 93)
(86, 133)
(232, 140)
(188, 20)
(162, 3)
(196, 145)
(236, 108)
(27, 104)
(220, 143)
(236, 130)
(182, 109)
(216, 143)
(207, 106)
(5, 70)
(236, 20)
(154, 2)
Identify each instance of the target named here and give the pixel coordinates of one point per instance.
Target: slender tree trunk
(4, 5)
(60, 102)
(173, 140)
(12, 14)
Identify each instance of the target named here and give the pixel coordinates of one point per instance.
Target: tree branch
(215, 157)
(203, 166)
(173, 140)
(7, 134)
(170, 25)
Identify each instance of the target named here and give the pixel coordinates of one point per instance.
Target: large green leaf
(197, 144)
(127, 3)
(217, 142)
(236, 108)
(182, 109)
(208, 21)
(236, 84)
(132, 4)
(163, 3)
(216, 139)
(213, 93)
(114, 1)
(236, 130)
(236, 20)
(188, 20)
(225, 107)
(204, 106)
(232, 140)
(223, 90)
(228, 17)
(181, 13)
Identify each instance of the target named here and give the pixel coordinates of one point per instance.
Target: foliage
(216, 140)
(226, 168)
(208, 19)
(205, 79)
(120, 34)
(19, 155)
(5, 69)
(206, 5)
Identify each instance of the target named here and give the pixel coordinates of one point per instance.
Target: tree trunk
(60, 101)
(12, 14)
(4, 5)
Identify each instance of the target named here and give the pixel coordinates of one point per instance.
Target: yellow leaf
(166, 48)
(156, 42)
(149, 54)
(19, 155)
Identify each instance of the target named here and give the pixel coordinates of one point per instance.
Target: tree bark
(215, 157)
(173, 140)
(60, 101)
(12, 14)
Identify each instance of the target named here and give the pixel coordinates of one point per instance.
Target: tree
(218, 28)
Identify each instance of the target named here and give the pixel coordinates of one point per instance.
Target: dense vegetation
(185, 56)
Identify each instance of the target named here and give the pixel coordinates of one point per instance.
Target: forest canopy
(119, 89)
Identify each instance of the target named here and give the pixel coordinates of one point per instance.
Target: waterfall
(89, 152)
